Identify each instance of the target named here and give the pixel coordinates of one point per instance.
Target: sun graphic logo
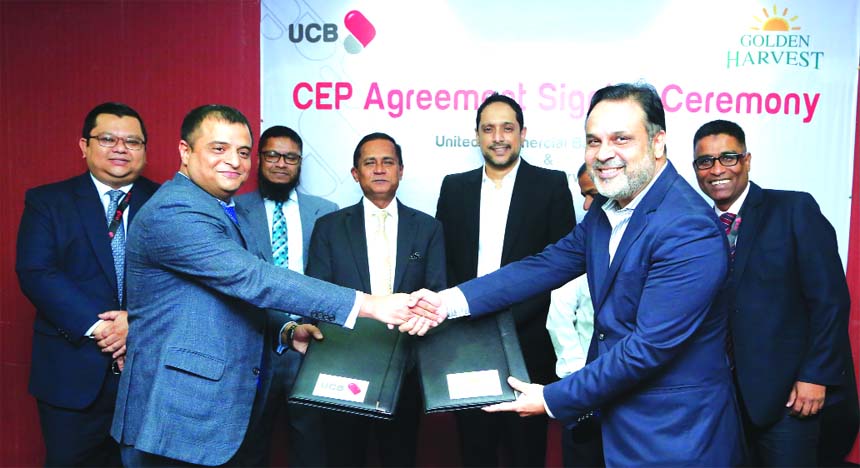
(776, 22)
(362, 32)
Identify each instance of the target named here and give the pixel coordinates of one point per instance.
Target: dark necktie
(117, 243)
(728, 220)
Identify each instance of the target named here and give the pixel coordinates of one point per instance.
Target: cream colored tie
(382, 246)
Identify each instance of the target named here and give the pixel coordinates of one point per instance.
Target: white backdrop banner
(785, 71)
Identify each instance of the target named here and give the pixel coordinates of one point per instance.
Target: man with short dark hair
(494, 215)
(788, 302)
(657, 371)
(378, 245)
(71, 265)
(195, 375)
(281, 220)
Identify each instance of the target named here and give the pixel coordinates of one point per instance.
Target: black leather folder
(465, 363)
(357, 371)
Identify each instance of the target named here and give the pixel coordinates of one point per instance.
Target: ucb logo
(361, 31)
(313, 32)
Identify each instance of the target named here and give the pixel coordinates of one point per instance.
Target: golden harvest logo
(774, 42)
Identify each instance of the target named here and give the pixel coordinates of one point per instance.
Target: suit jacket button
(256, 371)
(601, 336)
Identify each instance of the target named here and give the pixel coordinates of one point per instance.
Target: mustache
(611, 164)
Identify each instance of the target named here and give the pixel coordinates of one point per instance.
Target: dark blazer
(197, 326)
(65, 267)
(789, 303)
(661, 377)
(338, 250)
(541, 212)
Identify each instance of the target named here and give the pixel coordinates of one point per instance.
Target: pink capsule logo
(355, 389)
(362, 32)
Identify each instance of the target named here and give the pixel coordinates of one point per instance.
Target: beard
(276, 192)
(627, 184)
(510, 161)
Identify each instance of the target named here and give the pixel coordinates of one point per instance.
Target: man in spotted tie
(281, 219)
(378, 245)
(788, 305)
(71, 265)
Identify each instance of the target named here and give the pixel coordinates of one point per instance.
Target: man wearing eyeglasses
(282, 219)
(71, 265)
(788, 302)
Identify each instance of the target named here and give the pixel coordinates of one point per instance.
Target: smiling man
(494, 215)
(196, 374)
(71, 265)
(378, 245)
(657, 372)
(788, 313)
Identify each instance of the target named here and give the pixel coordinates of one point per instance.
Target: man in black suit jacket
(67, 269)
(492, 216)
(353, 248)
(788, 302)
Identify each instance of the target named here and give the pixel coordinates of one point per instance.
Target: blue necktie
(280, 250)
(117, 244)
(231, 211)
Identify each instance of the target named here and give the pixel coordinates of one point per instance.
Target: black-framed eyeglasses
(108, 140)
(272, 157)
(727, 159)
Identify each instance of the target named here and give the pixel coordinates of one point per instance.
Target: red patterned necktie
(728, 219)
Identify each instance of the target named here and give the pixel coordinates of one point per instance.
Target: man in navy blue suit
(655, 255)
(788, 302)
(67, 268)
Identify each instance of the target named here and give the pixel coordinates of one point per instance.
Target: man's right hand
(424, 304)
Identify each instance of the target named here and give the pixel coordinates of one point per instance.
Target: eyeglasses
(109, 141)
(726, 159)
(272, 157)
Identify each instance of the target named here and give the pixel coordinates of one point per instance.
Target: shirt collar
(370, 208)
(507, 179)
(103, 188)
(736, 206)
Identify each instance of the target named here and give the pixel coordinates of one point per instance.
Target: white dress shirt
(495, 204)
(570, 323)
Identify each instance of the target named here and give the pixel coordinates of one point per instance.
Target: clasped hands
(111, 333)
(414, 313)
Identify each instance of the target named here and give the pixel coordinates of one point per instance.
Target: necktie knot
(381, 216)
(115, 197)
(727, 219)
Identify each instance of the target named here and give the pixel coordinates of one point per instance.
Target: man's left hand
(112, 337)
(302, 336)
(806, 399)
(529, 403)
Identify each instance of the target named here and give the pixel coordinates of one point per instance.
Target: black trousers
(482, 435)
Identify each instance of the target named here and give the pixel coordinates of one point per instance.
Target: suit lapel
(91, 213)
(598, 253)
(470, 223)
(520, 200)
(308, 213)
(637, 224)
(750, 215)
(253, 213)
(354, 231)
(406, 234)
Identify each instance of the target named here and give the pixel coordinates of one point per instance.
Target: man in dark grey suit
(274, 206)
(197, 308)
(378, 245)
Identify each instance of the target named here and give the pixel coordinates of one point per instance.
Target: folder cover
(466, 363)
(357, 371)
